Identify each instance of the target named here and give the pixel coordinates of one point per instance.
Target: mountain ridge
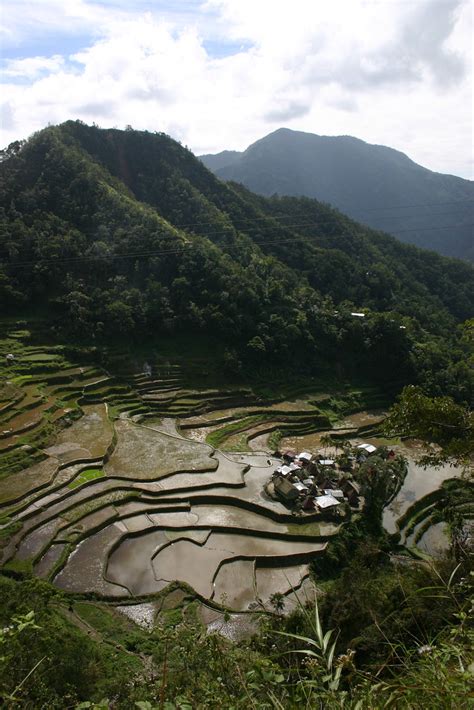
(343, 170)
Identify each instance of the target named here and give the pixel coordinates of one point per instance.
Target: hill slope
(376, 185)
(126, 234)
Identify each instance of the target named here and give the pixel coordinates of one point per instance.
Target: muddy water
(68, 452)
(257, 460)
(228, 472)
(165, 425)
(32, 544)
(234, 584)
(255, 546)
(146, 564)
(130, 563)
(232, 516)
(259, 443)
(147, 454)
(282, 580)
(198, 536)
(84, 569)
(301, 596)
(174, 519)
(188, 562)
(253, 492)
(260, 547)
(91, 433)
(49, 559)
(137, 523)
(88, 522)
(255, 480)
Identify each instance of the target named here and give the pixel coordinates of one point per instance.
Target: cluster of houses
(312, 483)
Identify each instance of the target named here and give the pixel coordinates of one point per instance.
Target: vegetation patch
(88, 474)
(8, 528)
(105, 620)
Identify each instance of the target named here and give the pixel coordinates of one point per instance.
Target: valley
(129, 487)
(212, 409)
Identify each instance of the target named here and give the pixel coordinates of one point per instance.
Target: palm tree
(327, 440)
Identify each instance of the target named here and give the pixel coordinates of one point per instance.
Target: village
(333, 487)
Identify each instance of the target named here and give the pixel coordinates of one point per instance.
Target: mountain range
(373, 184)
(125, 234)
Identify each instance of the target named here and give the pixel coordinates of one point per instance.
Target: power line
(374, 209)
(164, 252)
(295, 225)
(244, 231)
(426, 204)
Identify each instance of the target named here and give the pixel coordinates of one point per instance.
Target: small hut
(285, 489)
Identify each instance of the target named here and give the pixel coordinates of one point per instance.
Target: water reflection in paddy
(435, 541)
(130, 563)
(234, 584)
(419, 482)
(271, 580)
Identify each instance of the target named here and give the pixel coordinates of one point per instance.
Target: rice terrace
(142, 488)
(236, 356)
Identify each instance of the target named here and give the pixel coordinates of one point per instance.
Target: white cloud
(388, 72)
(32, 67)
(23, 20)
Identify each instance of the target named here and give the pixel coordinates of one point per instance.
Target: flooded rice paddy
(147, 454)
(419, 482)
(91, 435)
(435, 541)
(166, 507)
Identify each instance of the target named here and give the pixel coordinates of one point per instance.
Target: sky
(220, 74)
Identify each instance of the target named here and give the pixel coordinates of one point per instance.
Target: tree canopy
(434, 420)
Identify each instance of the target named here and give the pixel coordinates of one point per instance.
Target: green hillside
(119, 234)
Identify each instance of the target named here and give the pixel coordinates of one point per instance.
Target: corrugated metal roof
(327, 501)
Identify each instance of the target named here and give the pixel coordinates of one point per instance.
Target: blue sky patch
(219, 50)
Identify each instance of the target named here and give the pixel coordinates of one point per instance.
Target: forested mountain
(126, 234)
(376, 185)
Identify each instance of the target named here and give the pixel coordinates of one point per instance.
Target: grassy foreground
(405, 641)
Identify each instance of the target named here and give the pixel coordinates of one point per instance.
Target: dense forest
(115, 234)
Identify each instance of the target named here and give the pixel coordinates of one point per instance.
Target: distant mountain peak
(374, 184)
